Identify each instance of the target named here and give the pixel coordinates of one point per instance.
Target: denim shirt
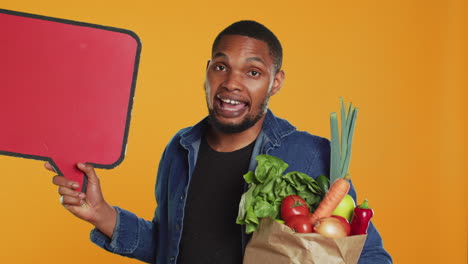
(157, 241)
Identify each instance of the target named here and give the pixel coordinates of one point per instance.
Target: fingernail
(80, 165)
(75, 185)
(81, 195)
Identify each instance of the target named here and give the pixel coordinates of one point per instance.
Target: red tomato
(345, 223)
(293, 205)
(300, 224)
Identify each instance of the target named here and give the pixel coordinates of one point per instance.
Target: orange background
(403, 63)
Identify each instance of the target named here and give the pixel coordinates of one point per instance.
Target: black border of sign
(132, 91)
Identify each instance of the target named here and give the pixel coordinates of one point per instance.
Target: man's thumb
(88, 169)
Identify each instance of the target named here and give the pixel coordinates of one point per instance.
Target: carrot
(335, 194)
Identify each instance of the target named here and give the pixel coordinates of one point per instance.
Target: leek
(341, 146)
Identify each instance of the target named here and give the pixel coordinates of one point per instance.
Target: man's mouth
(229, 106)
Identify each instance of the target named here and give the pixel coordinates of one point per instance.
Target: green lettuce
(268, 186)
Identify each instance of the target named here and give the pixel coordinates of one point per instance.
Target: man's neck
(224, 142)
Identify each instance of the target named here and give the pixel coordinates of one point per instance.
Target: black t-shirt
(210, 233)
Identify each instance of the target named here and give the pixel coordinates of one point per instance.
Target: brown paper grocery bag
(275, 243)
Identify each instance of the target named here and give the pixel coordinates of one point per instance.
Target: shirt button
(182, 197)
(172, 259)
(177, 227)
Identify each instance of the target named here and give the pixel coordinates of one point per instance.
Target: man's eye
(220, 68)
(254, 73)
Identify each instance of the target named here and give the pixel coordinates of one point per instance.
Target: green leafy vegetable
(340, 156)
(267, 189)
(323, 183)
(335, 159)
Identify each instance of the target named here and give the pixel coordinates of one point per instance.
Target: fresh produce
(295, 196)
(323, 183)
(345, 224)
(345, 207)
(361, 218)
(293, 205)
(268, 186)
(330, 227)
(300, 224)
(337, 191)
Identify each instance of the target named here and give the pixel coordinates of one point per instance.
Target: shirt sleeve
(373, 251)
(133, 237)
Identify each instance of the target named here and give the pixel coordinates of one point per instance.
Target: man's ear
(277, 82)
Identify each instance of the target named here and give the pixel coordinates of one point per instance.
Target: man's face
(240, 79)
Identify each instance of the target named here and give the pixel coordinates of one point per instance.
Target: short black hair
(253, 29)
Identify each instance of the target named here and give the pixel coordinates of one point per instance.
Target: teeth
(229, 101)
(229, 109)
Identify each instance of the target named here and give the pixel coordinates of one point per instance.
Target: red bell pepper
(361, 219)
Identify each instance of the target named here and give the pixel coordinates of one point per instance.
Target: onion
(330, 227)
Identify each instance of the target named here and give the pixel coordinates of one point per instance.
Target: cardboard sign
(66, 91)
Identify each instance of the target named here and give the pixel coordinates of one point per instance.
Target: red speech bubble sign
(66, 91)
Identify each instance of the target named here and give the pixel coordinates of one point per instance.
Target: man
(199, 181)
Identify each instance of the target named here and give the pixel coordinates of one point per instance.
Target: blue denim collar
(275, 128)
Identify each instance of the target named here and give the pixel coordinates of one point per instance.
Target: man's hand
(89, 206)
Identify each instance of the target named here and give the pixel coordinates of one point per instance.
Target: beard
(246, 123)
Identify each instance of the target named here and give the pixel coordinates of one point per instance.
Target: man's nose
(233, 81)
